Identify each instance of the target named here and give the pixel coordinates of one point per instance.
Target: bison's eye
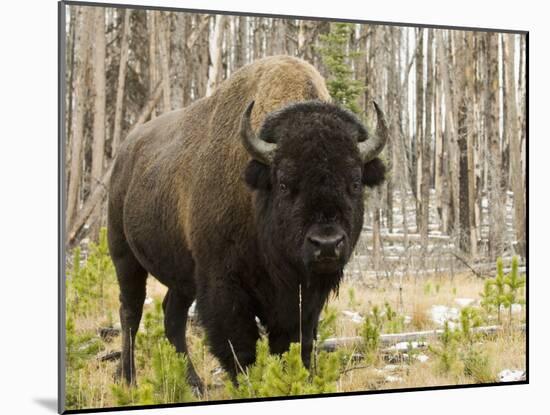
(356, 186)
(283, 187)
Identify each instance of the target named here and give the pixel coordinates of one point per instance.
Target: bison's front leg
(230, 327)
(281, 338)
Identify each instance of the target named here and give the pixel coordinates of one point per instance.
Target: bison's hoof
(118, 376)
(197, 386)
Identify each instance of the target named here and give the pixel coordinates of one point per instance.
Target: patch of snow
(391, 368)
(508, 375)
(148, 300)
(441, 313)
(516, 308)
(392, 378)
(464, 302)
(404, 346)
(422, 358)
(353, 316)
(407, 319)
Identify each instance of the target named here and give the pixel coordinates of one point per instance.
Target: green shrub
(167, 383)
(151, 334)
(477, 365)
(457, 353)
(503, 291)
(447, 352)
(327, 324)
(352, 301)
(274, 375)
(80, 348)
(469, 319)
(394, 323)
(370, 332)
(86, 283)
(427, 288)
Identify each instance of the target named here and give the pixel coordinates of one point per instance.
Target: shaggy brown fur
(180, 210)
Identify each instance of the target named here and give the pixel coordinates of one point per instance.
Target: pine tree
(336, 57)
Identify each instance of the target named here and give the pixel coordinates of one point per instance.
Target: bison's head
(310, 164)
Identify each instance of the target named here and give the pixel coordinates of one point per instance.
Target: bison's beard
(325, 267)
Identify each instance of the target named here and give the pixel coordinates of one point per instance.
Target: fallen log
(413, 237)
(109, 356)
(334, 343)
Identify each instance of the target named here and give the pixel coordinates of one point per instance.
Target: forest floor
(418, 304)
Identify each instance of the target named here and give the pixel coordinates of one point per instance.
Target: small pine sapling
(488, 297)
(469, 319)
(166, 384)
(447, 352)
(370, 332)
(515, 284)
(394, 322)
(499, 282)
(352, 302)
(477, 365)
(151, 335)
(427, 288)
(327, 324)
(285, 375)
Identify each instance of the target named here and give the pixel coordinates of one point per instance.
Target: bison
(250, 201)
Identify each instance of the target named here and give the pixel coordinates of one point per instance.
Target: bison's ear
(374, 172)
(256, 176)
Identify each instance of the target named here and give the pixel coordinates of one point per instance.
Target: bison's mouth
(326, 266)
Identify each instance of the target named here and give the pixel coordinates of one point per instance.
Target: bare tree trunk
(98, 143)
(514, 138)
(228, 61)
(400, 134)
(361, 65)
(242, 42)
(439, 150)
(153, 70)
(464, 140)
(163, 25)
(203, 64)
(425, 183)
(70, 74)
(257, 40)
(85, 19)
(419, 133)
(215, 52)
(449, 137)
(393, 80)
(291, 37)
(122, 66)
(279, 33)
(307, 32)
(376, 239)
(496, 207)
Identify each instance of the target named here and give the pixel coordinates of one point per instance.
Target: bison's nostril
(329, 246)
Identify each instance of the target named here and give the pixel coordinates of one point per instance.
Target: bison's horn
(260, 150)
(371, 147)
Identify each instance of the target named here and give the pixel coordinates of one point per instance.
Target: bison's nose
(327, 246)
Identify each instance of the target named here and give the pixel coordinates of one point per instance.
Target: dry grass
(413, 299)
